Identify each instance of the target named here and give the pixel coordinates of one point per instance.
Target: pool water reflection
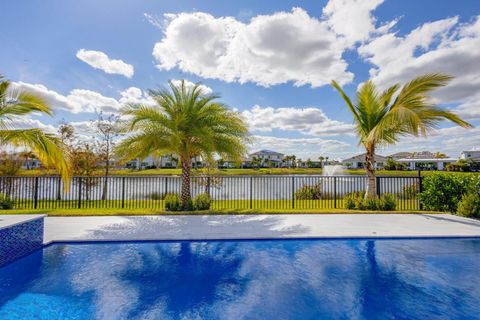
(291, 279)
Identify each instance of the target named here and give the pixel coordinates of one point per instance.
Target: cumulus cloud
(302, 147)
(100, 60)
(311, 121)
(353, 19)
(188, 84)
(29, 123)
(439, 46)
(268, 50)
(77, 101)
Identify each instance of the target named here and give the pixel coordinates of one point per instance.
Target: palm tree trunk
(370, 167)
(186, 168)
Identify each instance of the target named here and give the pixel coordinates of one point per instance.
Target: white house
(267, 156)
(473, 155)
(358, 161)
(426, 160)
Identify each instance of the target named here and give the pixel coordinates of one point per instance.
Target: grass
(139, 212)
(286, 204)
(233, 172)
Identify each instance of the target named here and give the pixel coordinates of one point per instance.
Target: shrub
(357, 201)
(173, 202)
(388, 202)
(469, 206)
(156, 196)
(202, 201)
(5, 202)
(410, 191)
(443, 191)
(313, 192)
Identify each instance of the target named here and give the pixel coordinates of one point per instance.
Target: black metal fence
(227, 192)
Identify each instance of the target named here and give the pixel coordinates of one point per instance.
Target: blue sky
(271, 60)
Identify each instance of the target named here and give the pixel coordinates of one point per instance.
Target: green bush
(156, 196)
(387, 202)
(357, 201)
(410, 191)
(202, 201)
(443, 191)
(313, 192)
(173, 202)
(469, 206)
(6, 202)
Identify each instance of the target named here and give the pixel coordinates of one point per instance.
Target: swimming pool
(263, 279)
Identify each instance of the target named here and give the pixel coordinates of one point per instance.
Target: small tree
(85, 164)
(107, 130)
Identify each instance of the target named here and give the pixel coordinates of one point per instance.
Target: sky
(273, 61)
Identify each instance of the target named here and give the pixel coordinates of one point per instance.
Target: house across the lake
(473, 155)
(358, 162)
(267, 158)
(424, 160)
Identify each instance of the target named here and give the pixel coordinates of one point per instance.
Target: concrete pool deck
(177, 227)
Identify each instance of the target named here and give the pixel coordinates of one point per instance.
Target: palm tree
(382, 118)
(45, 146)
(187, 122)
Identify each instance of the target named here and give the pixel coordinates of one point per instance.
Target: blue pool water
(291, 279)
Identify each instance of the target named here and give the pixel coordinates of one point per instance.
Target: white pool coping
(9, 220)
(221, 227)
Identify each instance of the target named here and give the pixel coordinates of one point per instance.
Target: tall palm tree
(46, 146)
(187, 122)
(382, 118)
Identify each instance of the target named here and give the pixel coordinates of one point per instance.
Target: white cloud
(100, 60)
(29, 123)
(268, 50)
(188, 84)
(440, 46)
(302, 147)
(311, 121)
(352, 19)
(77, 101)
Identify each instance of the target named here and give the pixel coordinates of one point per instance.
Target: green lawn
(272, 171)
(134, 212)
(148, 204)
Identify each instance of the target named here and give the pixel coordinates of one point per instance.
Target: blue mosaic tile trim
(19, 240)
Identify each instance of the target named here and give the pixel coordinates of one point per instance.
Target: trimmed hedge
(443, 191)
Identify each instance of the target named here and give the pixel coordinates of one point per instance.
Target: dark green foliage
(443, 191)
(157, 196)
(357, 201)
(469, 205)
(313, 192)
(202, 201)
(410, 191)
(173, 202)
(6, 202)
(388, 202)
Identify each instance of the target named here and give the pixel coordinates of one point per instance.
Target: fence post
(251, 192)
(123, 192)
(377, 181)
(420, 188)
(335, 192)
(80, 182)
(35, 194)
(293, 192)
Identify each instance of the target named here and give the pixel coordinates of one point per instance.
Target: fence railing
(227, 192)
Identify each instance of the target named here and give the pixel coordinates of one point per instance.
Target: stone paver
(258, 226)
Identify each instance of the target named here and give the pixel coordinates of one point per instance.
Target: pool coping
(10, 220)
(256, 227)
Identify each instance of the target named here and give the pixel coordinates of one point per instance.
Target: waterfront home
(426, 160)
(358, 162)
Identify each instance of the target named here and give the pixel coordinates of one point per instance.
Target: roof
(361, 158)
(268, 152)
(400, 155)
(427, 160)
